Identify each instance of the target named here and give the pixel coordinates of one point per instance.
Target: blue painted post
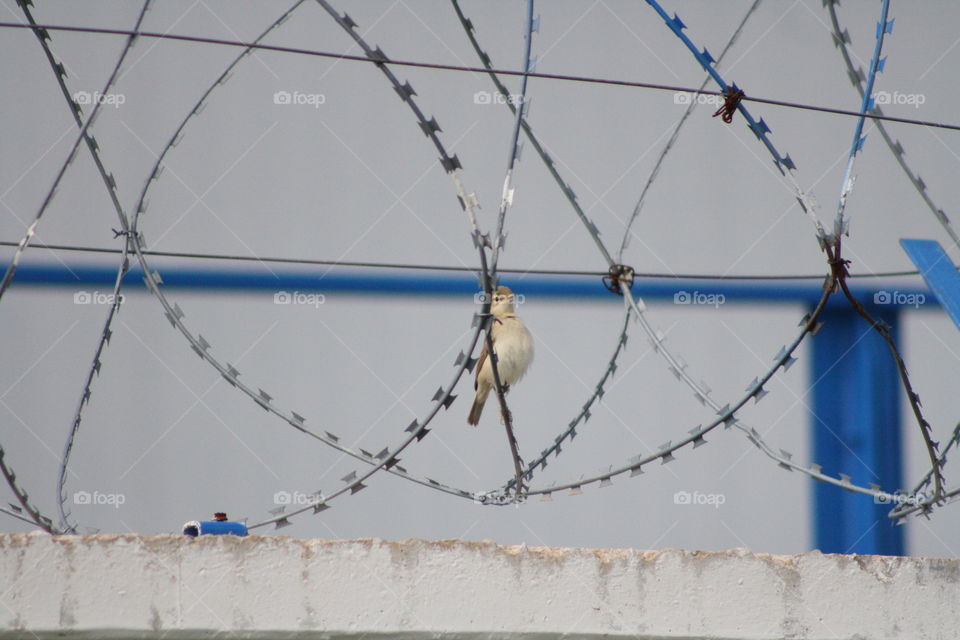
(856, 430)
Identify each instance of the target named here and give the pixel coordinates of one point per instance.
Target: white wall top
(129, 586)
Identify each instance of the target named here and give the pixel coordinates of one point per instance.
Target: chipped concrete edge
(171, 586)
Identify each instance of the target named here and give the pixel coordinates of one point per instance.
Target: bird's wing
(483, 358)
(483, 352)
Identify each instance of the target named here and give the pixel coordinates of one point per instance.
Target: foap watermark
(488, 97)
(481, 297)
(298, 498)
(899, 497)
(697, 498)
(691, 97)
(108, 99)
(699, 298)
(899, 298)
(493, 497)
(96, 297)
(895, 97)
(299, 98)
(97, 498)
(299, 298)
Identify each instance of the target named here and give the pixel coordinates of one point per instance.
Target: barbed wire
(675, 134)
(726, 414)
(201, 346)
(676, 365)
(783, 163)
(110, 183)
(490, 278)
(387, 458)
(60, 72)
(175, 314)
(14, 512)
(36, 516)
(84, 136)
(839, 266)
(117, 299)
(784, 359)
(516, 485)
(840, 225)
(909, 504)
(506, 197)
(459, 68)
(584, 415)
(841, 40)
(94, 370)
(831, 245)
(468, 202)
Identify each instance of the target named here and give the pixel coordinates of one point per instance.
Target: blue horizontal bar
(380, 282)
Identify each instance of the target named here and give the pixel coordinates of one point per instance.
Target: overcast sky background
(354, 178)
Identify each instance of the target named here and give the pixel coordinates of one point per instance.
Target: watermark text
(299, 298)
(697, 498)
(299, 98)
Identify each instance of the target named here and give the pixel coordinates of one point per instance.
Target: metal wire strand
(455, 268)
(387, 458)
(676, 25)
(110, 184)
(117, 297)
(36, 517)
(490, 278)
(840, 225)
(592, 230)
(784, 358)
(516, 485)
(912, 502)
(840, 267)
(459, 68)
(841, 39)
(784, 163)
(675, 134)
(43, 35)
(584, 416)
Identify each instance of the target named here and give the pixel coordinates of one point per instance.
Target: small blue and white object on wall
(219, 526)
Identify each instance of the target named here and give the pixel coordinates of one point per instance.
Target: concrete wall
(127, 586)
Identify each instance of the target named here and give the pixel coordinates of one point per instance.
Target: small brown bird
(513, 345)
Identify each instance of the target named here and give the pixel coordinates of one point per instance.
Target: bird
(513, 345)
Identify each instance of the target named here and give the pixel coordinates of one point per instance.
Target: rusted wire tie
(618, 273)
(731, 98)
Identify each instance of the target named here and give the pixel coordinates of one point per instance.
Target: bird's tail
(477, 409)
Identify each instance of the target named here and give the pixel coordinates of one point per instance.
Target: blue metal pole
(387, 281)
(855, 429)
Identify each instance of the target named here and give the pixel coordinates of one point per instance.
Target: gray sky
(348, 175)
